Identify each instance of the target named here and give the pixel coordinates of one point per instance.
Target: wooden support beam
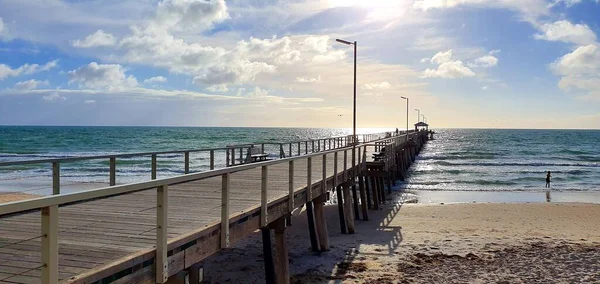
(340, 203)
(154, 166)
(268, 255)
(186, 158)
(321, 223)
(363, 198)
(49, 248)
(314, 241)
(113, 171)
(368, 191)
(264, 197)
(348, 209)
(55, 178)
(375, 190)
(225, 210)
(195, 274)
(212, 159)
(161, 261)
(381, 189)
(355, 200)
(282, 266)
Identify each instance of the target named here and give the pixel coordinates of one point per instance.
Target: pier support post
(368, 191)
(340, 202)
(321, 222)
(282, 269)
(375, 185)
(314, 242)
(381, 189)
(195, 274)
(348, 209)
(363, 198)
(268, 256)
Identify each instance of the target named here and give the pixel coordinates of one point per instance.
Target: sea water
(508, 160)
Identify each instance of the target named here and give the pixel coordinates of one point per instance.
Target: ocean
(508, 160)
(458, 159)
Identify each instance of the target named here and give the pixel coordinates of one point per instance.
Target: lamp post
(418, 115)
(423, 118)
(354, 108)
(406, 117)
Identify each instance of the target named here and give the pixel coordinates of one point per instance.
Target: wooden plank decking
(97, 238)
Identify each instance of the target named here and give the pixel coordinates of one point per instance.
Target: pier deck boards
(96, 233)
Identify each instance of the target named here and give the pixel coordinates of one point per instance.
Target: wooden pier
(161, 230)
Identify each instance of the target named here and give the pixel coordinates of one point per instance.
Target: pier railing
(232, 155)
(50, 218)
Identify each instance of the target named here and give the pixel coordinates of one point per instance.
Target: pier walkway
(158, 230)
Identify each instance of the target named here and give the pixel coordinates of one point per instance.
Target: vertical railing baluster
(225, 210)
(313, 146)
(335, 169)
(186, 157)
(233, 156)
(264, 197)
(299, 152)
(309, 179)
(161, 261)
(55, 178)
(227, 157)
(241, 155)
(212, 159)
(154, 166)
(290, 150)
(306, 147)
(324, 182)
(345, 165)
(49, 247)
(291, 186)
(113, 171)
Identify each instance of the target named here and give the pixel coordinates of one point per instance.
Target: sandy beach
(15, 196)
(451, 243)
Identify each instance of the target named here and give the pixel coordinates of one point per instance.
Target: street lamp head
(344, 41)
(417, 109)
(405, 98)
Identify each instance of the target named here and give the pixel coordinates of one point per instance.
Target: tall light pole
(423, 118)
(354, 108)
(406, 117)
(418, 115)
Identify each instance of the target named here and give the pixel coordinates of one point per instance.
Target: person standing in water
(548, 176)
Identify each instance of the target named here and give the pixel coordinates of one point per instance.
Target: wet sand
(451, 243)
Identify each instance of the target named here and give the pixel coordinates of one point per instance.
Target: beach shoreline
(429, 243)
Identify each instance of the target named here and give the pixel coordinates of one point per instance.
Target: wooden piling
(340, 202)
(321, 222)
(282, 270)
(363, 198)
(348, 209)
(314, 242)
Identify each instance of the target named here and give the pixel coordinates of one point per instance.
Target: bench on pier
(256, 155)
(378, 156)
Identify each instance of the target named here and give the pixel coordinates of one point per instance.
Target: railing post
(225, 210)
(324, 182)
(226, 157)
(55, 178)
(329, 143)
(335, 169)
(50, 244)
(264, 197)
(306, 147)
(161, 262)
(241, 155)
(212, 159)
(309, 179)
(233, 156)
(313, 146)
(262, 147)
(291, 187)
(153, 171)
(113, 171)
(345, 165)
(281, 152)
(186, 156)
(299, 152)
(290, 150)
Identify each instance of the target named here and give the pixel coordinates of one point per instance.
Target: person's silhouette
(548, 176)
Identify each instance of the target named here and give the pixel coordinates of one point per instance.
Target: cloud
(157, 79)
(580, 70)
(308, 79)
(190, 15)
(331, 57)
(377, 86)
(53, 97)
(87, 102)
(484, 88)
(29, 84)
(565, 31)
(26, 69)
(102, 76)
(449, 70)
(97, 39)
(218, 88)
(530, 9)
(442, 57)
(3, 30)
(484, 61)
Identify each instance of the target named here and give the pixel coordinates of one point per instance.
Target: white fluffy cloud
(447, 67)
(29, 84)
(157, 79)
(102, 76)
(26, 69)
(55, 96)
(377, 86)
(567, 32)
(179, 15)
(580, 70)
(484, 61)
(97, 39)
(442, 57)
(308, 79)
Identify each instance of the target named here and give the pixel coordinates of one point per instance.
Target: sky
(462, 63)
